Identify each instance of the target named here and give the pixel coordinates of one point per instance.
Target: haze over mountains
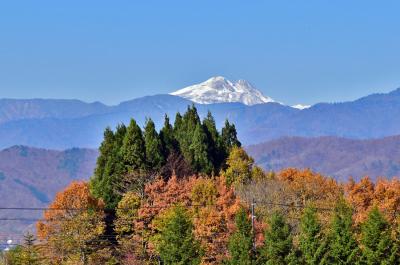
(62, 124)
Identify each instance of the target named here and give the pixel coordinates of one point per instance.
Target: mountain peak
(218, 89)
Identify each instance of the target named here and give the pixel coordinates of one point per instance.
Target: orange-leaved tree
(214, 208)
(160, 195)
(70, 229)
(209, 202)
(365, 195)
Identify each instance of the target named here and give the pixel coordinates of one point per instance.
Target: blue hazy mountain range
(62, 124)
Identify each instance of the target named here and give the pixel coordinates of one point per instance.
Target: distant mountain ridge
(63, 124)
(12, 109)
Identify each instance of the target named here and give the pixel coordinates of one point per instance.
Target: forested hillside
(189, 194)
(333, 156)
(30, 177)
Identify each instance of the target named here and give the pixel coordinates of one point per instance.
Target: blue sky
(111, 51)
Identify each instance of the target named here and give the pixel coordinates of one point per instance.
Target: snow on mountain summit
(218, 90)
(301, 106)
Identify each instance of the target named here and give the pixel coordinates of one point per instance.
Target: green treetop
(133, 149)
(177, 244)
(240, 243)
(278, 244)
(376, 240)
(199, 149)
(167, 137)
(154, 154)
(343, 247)
(229, 136)
(312, 242)
(110, 167)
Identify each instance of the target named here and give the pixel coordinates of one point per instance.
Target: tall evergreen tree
(167, 137)
(209, 123)
(177, 242)
(190, 119)
(199, 151)
(240, 243)
(177, 123)
(133, 148)
(154, 154)
(312, 243)
(119, 134)
(185, 132)
(229, 137)
(117, 167)
(376, 240)
(105, 153)
(111, 166)
(278, 245)
(119, 137)
(215, 152)
(343, 247)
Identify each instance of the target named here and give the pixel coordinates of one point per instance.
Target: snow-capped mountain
(219, 89)
(301, 106)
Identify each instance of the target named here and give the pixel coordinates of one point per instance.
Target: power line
(152, 207)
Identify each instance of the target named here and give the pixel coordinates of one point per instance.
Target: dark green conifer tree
(114, 170)
(177, 242)
(376, 240)
(278, 245)
(190, 119)
(167, 137)
(110, 167)
(118, 165)
(312, 243)
(215, 153)
(199, 152)
(186, 131)
(177, 123)
(343, 247)
(154, 154)
(209, 123)
(133, 148)
(240, 243)
(105, 153)
(229, 137)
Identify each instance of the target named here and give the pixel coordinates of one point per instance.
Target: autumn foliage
(212, 206)
(384, 194)
(73, 227)
(72, 224)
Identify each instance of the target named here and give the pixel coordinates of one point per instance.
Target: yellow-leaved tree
(240, 167)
